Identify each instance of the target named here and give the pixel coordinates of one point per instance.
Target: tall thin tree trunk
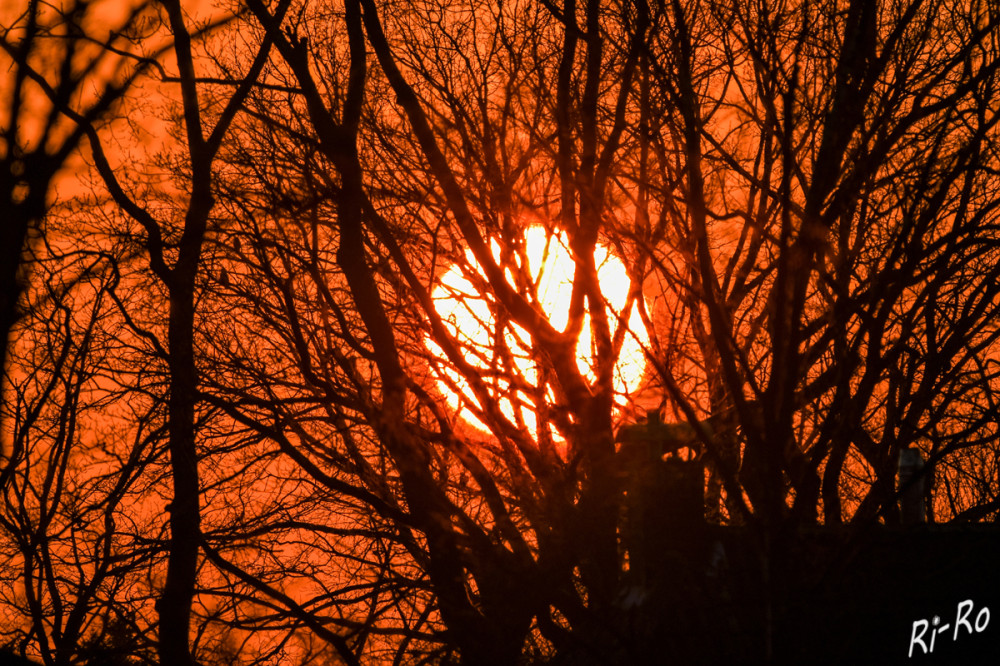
(185, 514)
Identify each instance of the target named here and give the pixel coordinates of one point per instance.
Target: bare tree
(802, 196)
(73, 532)
(54, 56)
(760, 167)
(174, 249)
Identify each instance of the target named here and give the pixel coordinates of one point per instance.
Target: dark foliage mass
(282, 384)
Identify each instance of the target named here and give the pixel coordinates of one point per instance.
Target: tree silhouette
(66, 69)
(803, 196)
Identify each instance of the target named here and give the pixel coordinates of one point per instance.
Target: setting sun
(469, 317)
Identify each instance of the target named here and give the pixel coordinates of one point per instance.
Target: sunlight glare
(468, 317)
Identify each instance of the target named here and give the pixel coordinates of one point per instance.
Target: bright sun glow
(468, 316)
